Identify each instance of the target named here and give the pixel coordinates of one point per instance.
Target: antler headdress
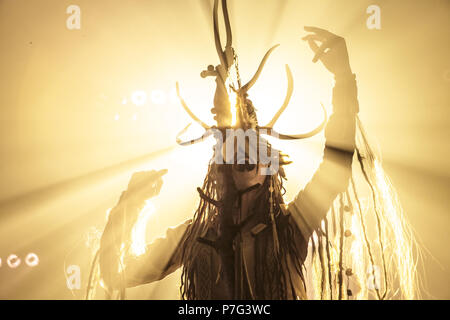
(245, 112)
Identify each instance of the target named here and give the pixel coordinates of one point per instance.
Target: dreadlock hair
(365, 252)
(217, 197)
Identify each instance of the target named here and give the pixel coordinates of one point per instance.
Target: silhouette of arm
(161, 257)
(119, 268)
(311, 205)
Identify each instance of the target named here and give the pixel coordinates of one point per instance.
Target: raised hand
(330, 49)
(145, 185)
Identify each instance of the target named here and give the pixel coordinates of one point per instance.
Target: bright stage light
(158, 97)
(139, 97)
(139, 243)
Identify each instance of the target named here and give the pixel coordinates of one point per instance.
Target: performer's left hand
(331, 50)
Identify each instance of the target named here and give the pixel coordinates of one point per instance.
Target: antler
(269, 127)
(205, 135)
(286, 100)
(190, 113)
(224, 60)
(271, 132)
(260, 68)
(222, 108)
(221, 100)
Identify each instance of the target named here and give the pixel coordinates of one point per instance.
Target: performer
(243, 241)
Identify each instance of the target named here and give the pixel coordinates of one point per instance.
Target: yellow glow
(233, 100)
(403, 241)
(138, 238)
(139, 97)
(72, 144)
(108, 213)
(158, 97)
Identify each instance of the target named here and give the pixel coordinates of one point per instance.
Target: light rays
(48, 108)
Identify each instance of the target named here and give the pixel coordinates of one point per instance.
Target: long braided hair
(352, 254)
(365, 248)
(217, 196)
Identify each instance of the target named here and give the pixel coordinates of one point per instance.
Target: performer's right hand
(144, 185)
